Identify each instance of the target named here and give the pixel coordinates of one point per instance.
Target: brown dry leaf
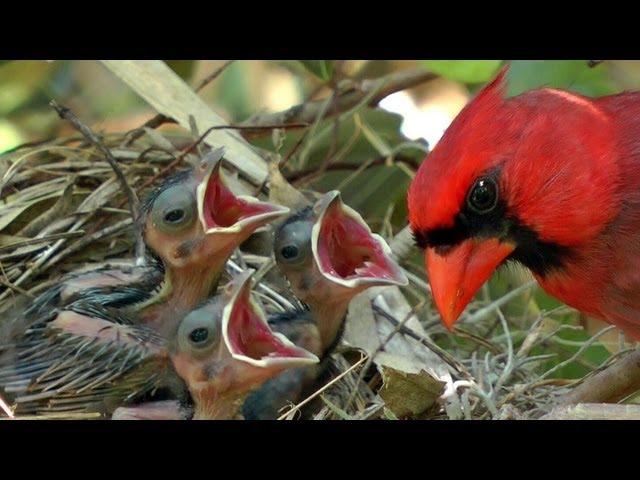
(159, 140)
(62, 207)
(360, 330)
(367, 330)
(8, 240)
(15, 210)
(407, 392)
(413, 376)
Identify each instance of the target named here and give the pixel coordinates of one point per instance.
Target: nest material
(62, 209)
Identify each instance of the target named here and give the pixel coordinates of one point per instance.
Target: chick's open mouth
(346, 250)
(250, 338)
(222, 208)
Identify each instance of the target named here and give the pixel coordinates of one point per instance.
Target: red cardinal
(549, 179)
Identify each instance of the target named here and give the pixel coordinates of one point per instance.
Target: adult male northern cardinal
(549, 179)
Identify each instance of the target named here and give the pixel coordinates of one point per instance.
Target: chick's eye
(292, 244)
(174, 216)
(483, 197)
(289, 252)
(199, 336)
(174, 210)
(199, 332)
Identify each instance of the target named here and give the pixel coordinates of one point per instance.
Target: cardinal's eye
(483, 196)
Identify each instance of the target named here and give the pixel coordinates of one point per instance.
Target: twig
(308, 112)
(88, 239)
(293, 150)
(532, 336)
(161, 119)
(485, 397)
(301, 174)
(193, 145)
(335, 137)
(483, 342)
(610, 385)
(62, 416)
(36, 241)
(594, 411)
(6, 408)
(318, 392)
(213, 75)
(152, 123)
(445, 356)
(243, 127)
(134, 204)
(586, 345)
(487, 310)
(37, 266)
(381, 347)
(19, 290)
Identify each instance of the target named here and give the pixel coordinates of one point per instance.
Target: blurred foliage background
(368, 151)
(249, 88)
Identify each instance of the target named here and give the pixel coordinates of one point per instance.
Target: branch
(134, 204)
(347, 99)
(213, 75)
(161, 119)
(302, 174)
(445, 356)
(594, 411)
(610, 385)
(5, 408)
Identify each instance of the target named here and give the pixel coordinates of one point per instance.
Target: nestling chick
(329, 255)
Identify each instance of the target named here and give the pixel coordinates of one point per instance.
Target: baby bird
(217, 354)
(191, 224)
(329, 255)
(224, 350)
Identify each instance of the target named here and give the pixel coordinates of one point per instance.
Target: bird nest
(64, 209)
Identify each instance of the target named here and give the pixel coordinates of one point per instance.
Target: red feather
(570, 171)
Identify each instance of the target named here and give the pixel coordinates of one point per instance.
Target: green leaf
(467, 71)
(373, 190)
(184, 68)
(20, 81)
(574, 75)
(10, 136)
(234, 90)
(323, 69)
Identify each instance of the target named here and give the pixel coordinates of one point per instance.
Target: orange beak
(458, 274)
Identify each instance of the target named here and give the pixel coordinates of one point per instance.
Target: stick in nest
(134, 204)
(616, 382)
(6, 408)
(319, 391)
(161, 119)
